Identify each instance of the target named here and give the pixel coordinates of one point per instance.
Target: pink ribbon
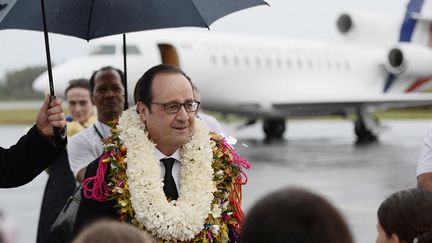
(99, 191)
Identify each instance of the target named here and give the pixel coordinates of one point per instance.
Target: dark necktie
(169, 188)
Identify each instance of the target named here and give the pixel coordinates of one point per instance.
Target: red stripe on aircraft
(417, 84)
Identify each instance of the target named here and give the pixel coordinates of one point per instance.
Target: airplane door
(169, 54)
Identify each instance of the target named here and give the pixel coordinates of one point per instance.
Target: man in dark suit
(35, 151)
(161, 156)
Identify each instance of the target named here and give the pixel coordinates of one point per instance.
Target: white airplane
(382, 62)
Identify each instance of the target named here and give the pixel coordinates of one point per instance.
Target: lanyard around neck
(97, 131)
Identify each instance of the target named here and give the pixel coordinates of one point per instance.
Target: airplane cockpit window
(132, 50)
(103, 50)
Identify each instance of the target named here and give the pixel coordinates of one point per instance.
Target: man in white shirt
(211, 122)
(107, 90)
(424, 166)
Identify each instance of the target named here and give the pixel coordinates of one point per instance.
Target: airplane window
(337, 64)
(288, 62)
(279, 62)
(103, 50)
(299, 63)
(329, 64)
(319, 63)
(247, 61)
(269, 62)
(310, 63)
(236, 60)
(225, 60)
(347, 66)
(257, 61)
(213, 60)
(132, 50)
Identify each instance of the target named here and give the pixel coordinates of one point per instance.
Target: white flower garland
(176, 220)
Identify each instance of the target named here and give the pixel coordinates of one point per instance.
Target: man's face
(80, 104)
(169, 131)
(108, 95)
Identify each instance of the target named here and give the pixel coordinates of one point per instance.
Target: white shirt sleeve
(424, 164)
(211, 122)
(83, 148)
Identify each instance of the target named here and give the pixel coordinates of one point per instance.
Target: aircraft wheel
(274, 128)
(364, 135)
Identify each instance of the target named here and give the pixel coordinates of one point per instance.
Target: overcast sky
(292, 18)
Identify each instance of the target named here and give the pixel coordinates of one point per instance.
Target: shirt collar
(106, 130)
(175, 155)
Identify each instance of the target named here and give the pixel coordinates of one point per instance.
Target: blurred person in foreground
(163, 171)
(107, 93)
(111, 231)
(294, 215)
(61, 182)
(36, 150)
(406, 217)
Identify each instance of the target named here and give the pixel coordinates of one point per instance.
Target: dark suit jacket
(22, 162)
(90, 210)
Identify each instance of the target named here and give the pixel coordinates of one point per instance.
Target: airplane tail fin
(411, 59)
(417, 24)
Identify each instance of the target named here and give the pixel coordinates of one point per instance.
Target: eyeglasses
(174, 107)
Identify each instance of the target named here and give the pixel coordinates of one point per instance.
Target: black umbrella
(89, 19)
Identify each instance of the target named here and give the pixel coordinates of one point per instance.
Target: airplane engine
(368, 28)
(409, 60)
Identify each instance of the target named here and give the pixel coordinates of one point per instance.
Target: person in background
(36, 150)
(61, 182)
(424, 165)
(111, 231)
(405, 217)
(107, 93)
(211, 122)
(294, 215)
(81, 106)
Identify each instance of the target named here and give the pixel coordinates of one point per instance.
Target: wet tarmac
(317, 155)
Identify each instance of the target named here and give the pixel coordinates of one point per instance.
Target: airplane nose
(40, 84)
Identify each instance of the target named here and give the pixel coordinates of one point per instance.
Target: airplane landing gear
(274, 128)
(366, 127)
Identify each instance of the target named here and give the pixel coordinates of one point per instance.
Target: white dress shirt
(176, 167)
(86, 146)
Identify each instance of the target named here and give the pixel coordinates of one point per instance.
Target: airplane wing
(321, 107)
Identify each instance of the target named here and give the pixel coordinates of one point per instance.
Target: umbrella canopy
(89, 19)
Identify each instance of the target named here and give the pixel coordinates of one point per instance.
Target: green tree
(18, 84)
